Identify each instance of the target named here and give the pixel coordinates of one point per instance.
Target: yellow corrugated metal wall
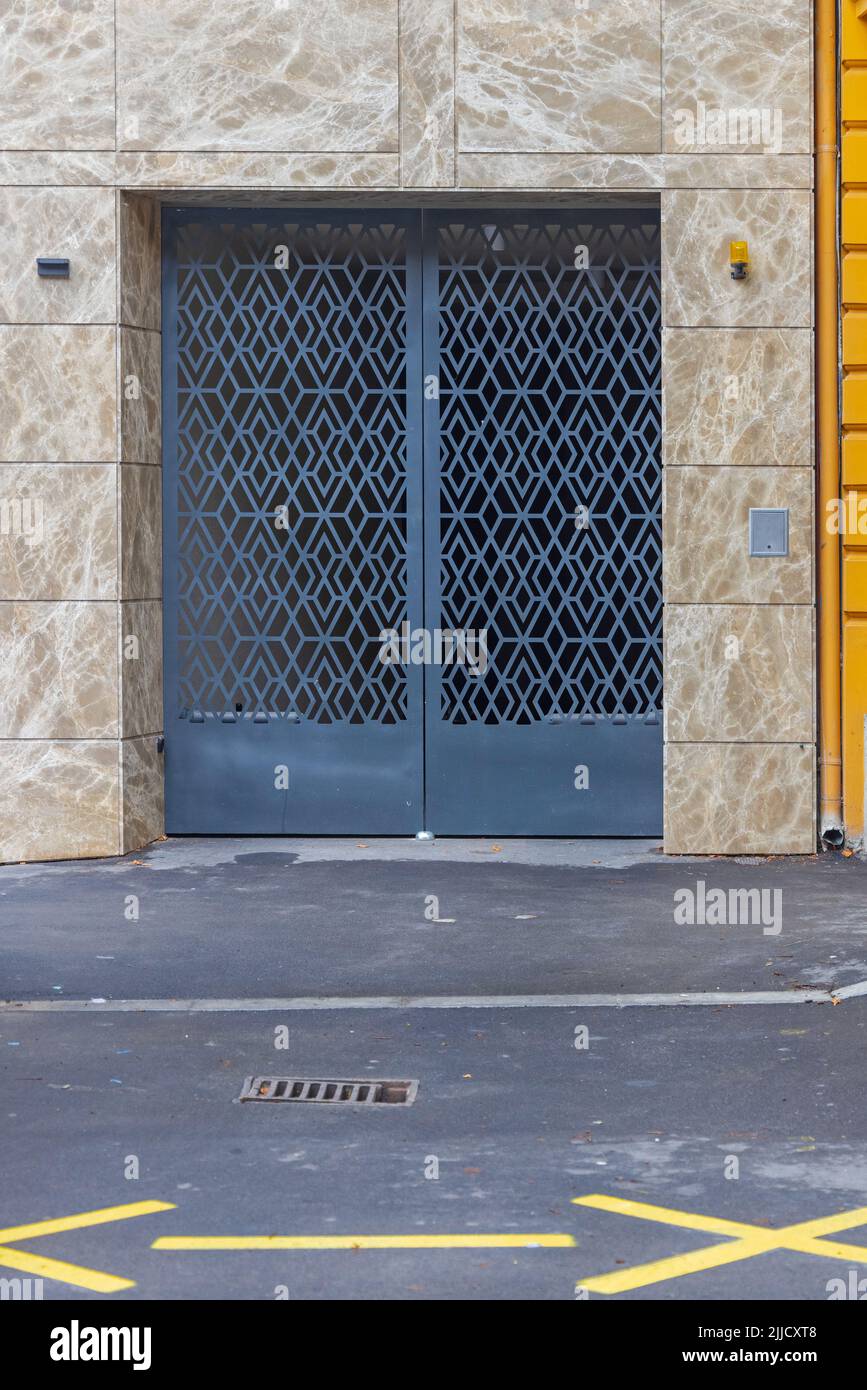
(854, 483)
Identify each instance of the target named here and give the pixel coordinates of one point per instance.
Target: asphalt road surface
(528, 1167)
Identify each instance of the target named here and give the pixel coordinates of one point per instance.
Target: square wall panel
(740, 798)
(59, 799)
(706, 535)
(737, 76)
(58, 393)
(740, 396)
(65, 546)
(738, 673)
(547, 77)
(78, 223)
(58, 674)
(698, 227)
(57, 74)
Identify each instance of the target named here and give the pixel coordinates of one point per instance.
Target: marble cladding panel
(737, 75)
(58, 677)
(567, 171)
(140, 395)
(196, 172)
(427, 93)
(738, 673)
(187, 171)
(755, 171)
(737, 396)
(141, 531)
(637, 172)
(705, 540)
(552, 77)
(74, 222)
(141, 668)
(57, 74)
(58, 531)
(740, 798)
(697, 229)
(256, 75)
(32, 168)
(140, 262)
(58, 800)
(57, 393)
(142, 797)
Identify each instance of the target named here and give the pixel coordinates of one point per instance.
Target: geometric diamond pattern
(291, 393)
(549, 382)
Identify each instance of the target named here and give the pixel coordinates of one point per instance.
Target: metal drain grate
(353, 1091)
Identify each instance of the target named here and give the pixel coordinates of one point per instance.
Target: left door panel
(292, 521)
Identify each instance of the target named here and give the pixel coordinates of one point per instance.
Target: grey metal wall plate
(52, 267)
(769, 530)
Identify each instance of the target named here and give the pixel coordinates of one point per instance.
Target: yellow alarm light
(739, 255)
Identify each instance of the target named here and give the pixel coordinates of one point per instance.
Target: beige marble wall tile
(141, 668)
(697, 288)
(427, 93)
(637, 171)
(254, 171)
(58, 531)
(311, 75)
(740, 798)
(737, 75)
(58, 675)
(737, 396)
(705, 541)
(738, 673)
(57, 393)
(57, 74)
(140, 387)
(58, 800)
(140, 262)
(141, 531)
(142, 804)
(752, 171)
(74, 222)
(568, 171)
(552, 77)
(48, 167)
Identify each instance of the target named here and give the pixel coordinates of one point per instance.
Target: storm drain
(348, 1092)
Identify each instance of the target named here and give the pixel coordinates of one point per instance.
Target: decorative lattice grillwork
(549, 402)
(291, 391)
(292, 395)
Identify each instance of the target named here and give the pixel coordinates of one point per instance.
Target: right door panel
(542, 523)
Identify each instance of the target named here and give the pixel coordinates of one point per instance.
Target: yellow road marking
(84, 1218)
(665, 1215)
(419, 1242)
(748, 1241)
(77, 1275)
(44, 1268)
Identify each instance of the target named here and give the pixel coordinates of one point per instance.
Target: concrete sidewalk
(246, 919)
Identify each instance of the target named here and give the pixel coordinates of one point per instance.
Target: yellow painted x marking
(747, 1241)
(77, 1275)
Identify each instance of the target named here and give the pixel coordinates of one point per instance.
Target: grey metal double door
(412, 522)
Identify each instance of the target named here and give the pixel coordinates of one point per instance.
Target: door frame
(422, 328)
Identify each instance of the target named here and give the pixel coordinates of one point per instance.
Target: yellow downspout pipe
(827, 422)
